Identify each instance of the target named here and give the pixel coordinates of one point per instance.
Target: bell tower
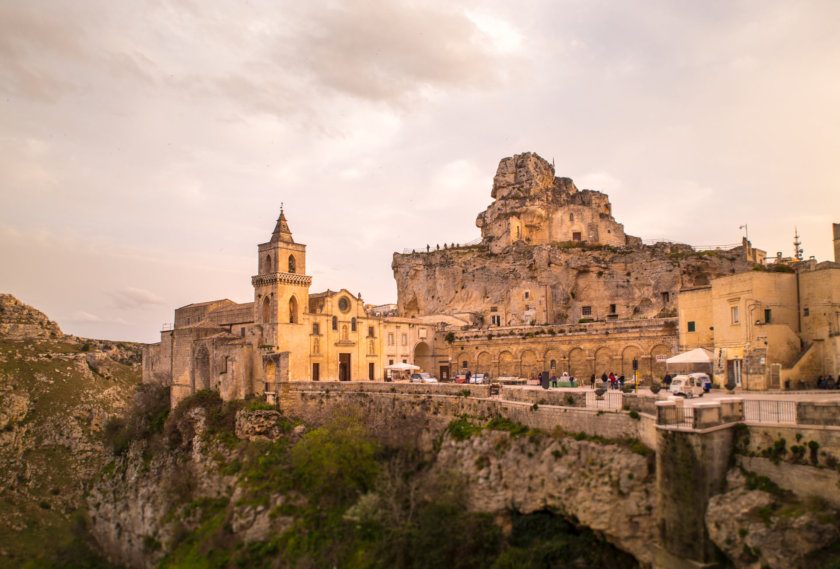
(281, 287)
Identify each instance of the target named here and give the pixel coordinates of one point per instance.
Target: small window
(292, 264)
(334, 323)
(405, 339)
(553, 364)
(805, 312)
(316, 328)
(496, 320)
(188, 318)
(527, 295)
(242, 332)
(666, 297)
(391, 339)
(464, 364)
(586, 311)
(691, 327)
(612, 308)
(767, 316)
(571, 217)
(353, 324)
(494, 309)
(370, 331)
(576, 236)
(734, 313)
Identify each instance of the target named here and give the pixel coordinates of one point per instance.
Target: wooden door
(343, 367)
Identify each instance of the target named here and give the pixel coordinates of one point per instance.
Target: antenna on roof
(797, 245)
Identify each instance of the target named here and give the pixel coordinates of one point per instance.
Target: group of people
(827, 382)
(614, 382)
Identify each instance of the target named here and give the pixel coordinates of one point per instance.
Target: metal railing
(439, 247)
(610, 400)
(764, 411)
(678, 417)
(725, 247)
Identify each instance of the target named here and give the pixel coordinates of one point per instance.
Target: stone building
(285, 334)
(768, 329)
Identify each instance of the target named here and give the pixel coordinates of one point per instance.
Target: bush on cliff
(145, 418)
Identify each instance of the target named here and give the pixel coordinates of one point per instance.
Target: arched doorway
(201, 368)
(658, 355)
(484, 363)
(423, 357)
(507, 366)
(528, 364)
(603, 361)
(577, 364)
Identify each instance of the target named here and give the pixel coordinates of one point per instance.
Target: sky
(146, 147)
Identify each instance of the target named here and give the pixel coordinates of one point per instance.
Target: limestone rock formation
(756, 528)
(551, 254)
(19, 320)
(56, 393)
(607, 488)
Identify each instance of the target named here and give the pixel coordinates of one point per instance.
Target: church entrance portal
(343, 367)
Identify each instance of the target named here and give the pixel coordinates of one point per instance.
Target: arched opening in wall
(552, 361)
(335, 323)
(202, 368)
(484, 363)
(658, 355)
(293, 310)
(423, 357)
(266, 309)
(629, 354)
(507, 365)
(528, 364)
(266, 268)
(577, 364)
(462, 363)
(353, 324)
(292, 264)
(603, 361)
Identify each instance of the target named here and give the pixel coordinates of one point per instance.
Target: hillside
(56, 394)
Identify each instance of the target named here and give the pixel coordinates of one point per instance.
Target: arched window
(266, 310)
(553, 364)
(353, 324)
(267, 264)
(293, 310)
(292, 264)
(571, 217)
(335, 323)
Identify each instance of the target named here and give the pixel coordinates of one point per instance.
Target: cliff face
(56, 394)
(20, 321)
(559, 281)
(552, 254)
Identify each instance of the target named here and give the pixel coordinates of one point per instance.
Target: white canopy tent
(400, 370)
(698, 359)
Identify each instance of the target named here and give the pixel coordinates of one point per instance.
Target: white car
(478, 378)
(423, 377)
(692, 385)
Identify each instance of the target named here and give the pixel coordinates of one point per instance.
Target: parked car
(423, 377)
(479, 378)
(693, 385)
(704, 380)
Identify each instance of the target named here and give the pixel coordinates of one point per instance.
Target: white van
(691, 385)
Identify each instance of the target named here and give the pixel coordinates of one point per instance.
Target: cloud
(131, 298)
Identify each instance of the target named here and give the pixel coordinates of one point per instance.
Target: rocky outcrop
(605, 487)
(767, 527)
(56, 394)
(548, 250)
(19, 320)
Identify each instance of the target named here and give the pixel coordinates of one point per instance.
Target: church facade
(286, 333)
